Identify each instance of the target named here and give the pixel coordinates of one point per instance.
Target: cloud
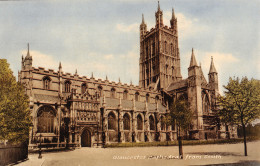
(221, 60)
(128, 28)
(48, 62)
(109, 56)
(187, 27)
(41, 59)
(225, 64)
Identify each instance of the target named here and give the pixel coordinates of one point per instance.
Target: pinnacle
(212, 67)
(60, 66)
(173, 14)
(193, 61)
(28, 52)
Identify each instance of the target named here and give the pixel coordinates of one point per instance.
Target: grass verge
(175, 143)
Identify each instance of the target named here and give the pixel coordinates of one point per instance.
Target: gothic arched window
(100, 90)
(125, 95)
(67, 86)
(153, 48)
(163, 123)
(139, 122)
(165, 46)
(147, 97)
(126, 120)
(83, 88)
(137, 96)
(111, 121)
(46, 116)
(46, 82)
(206, 105)
(152, 123)
(113, 93)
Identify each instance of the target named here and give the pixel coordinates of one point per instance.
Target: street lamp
(40, 149)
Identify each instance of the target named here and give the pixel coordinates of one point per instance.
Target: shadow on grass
(51, 150)
(216, 153)
(240, 163)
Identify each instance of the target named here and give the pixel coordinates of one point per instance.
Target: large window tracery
(139, 122)
(83, 88)
(113, 93)
(111, 121)
(205, 104)
(46, 82)
(46, 116)
(125, 95)
(126, 120)
(67, 86)
(137, 96)
(152, 123)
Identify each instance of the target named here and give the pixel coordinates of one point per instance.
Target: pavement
(217, 154)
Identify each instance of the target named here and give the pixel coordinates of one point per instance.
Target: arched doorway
(86, 138)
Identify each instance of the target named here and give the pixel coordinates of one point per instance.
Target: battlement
(69, 76)
(166, 28)
(43, 71)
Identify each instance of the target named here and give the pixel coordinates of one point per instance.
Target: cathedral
(80, 111)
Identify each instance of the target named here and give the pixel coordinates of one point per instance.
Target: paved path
(193, 155)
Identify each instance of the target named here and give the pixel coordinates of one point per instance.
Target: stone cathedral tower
(84, 111)
(159, 61)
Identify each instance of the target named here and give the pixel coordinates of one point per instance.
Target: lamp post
(40, 148)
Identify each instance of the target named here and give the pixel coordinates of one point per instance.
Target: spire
(193, 61)
(92, 75)
(119, 80)
(28, 56)
(212, 67)
(143, 19)
(28, 51)
(76, 72)
(173, 14)
(159, 6)
(60, 67)
(106, 77)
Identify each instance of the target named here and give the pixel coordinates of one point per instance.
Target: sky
(102, 36)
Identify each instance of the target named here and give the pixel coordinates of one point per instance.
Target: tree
(181, 116)
(15, 117)
(240, 103)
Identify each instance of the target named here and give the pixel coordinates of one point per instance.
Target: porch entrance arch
(86, 138)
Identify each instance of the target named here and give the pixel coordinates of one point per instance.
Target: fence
(13, 153)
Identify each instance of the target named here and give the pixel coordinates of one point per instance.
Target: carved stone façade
(82, 111)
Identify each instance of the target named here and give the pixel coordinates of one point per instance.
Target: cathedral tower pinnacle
(159, 61)
(173, 21)
(143, 28)
(28, 59)
(159, 16)
(213, 76)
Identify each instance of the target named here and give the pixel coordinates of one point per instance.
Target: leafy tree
(181, 116)
(240, 103)
(15, 117)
